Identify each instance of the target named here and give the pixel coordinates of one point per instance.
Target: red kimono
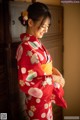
(36, 80)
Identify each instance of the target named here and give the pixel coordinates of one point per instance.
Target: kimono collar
(26, 37)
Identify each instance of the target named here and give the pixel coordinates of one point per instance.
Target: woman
(41, 83)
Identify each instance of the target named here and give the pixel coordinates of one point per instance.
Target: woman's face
(39, 30)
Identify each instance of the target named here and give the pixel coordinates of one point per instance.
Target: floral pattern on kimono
(35, 79)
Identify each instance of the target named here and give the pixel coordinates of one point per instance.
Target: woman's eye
(44, 27)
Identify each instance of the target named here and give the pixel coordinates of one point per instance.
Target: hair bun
(23, 18)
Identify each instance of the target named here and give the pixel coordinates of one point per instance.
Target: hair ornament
(24, 15)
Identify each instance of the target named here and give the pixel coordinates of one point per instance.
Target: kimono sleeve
(29, 69)
(58, 94)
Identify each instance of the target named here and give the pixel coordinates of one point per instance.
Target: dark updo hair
(35, 11)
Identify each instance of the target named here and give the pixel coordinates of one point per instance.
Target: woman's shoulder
(27, 37)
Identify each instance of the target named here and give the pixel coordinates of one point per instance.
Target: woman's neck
(29, 31)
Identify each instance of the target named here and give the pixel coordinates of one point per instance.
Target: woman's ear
(30, 22)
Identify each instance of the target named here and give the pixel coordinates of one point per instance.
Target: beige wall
(72, 58)
(54, 2)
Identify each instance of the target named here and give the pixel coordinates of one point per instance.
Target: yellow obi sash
(47, 68)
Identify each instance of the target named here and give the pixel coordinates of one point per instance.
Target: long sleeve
(31, 74)
(35, 72)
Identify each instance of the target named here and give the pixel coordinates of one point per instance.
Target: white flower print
(45, 106)
(29, 53)
(44, 83)
(33, 108)
(21, 82)
(26, 38)
(38, 100)
(34, 58)
(27, 83)
(31, 114)
(56, 85)
(43, 115)
(26, 43)
(19, 52)
(32, 83)
(35, 92)
(49, 80)
(23, 70)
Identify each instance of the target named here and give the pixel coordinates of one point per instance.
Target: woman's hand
(57, 77)
(55, 71)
